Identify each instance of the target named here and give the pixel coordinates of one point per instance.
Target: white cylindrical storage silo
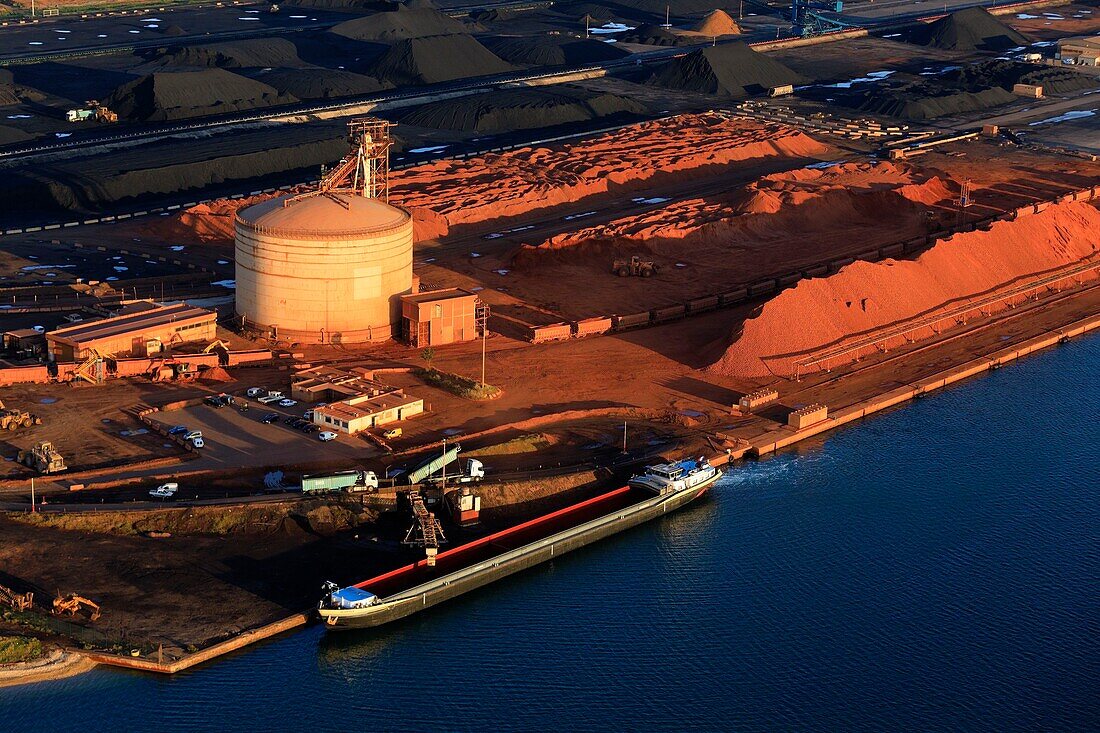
(327, 268)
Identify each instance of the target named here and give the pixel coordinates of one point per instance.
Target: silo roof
(338, 214)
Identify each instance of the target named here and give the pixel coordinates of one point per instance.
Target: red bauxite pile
(864, 296)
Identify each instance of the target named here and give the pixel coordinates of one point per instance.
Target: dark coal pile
(12, 135)
(183, 94)
(677, 7)
(654, 35)
(973, 29)
(436, 59)
(520, 109)
(732, 69)
(7, 88)
(399, 24)
(1006, 74)
(368, 6)
(491, 16)
(320, 83)
(596, 13)
(86, 184)
(554, 51)
(258, 52)
(924, 100)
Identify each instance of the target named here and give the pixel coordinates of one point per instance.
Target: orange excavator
(72, 604)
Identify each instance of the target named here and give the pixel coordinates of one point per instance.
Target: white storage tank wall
(322, 270)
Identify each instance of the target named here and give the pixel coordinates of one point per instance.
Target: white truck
(165, 491)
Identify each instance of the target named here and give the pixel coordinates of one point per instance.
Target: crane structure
(364, 171)
(426, 530)
(807, 19)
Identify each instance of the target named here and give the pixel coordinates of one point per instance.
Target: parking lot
(234, 436)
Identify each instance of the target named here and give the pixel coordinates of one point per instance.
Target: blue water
(933, 568)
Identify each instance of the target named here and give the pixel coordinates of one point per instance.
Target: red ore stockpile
(448, 193)
(864, 297)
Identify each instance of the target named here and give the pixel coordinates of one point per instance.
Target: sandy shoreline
(59, 664)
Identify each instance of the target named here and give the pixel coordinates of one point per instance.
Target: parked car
(178, 430)
(268, 399)
(255, 391)
(269, 418)
(198, 442)
(312, 428)
(164, 491)
(216, 402)
(303, 426)
(392, 433)
(290, 419)
(193, 434)
(308, 415)
(274, 393)
(287, 403)
(326, 436)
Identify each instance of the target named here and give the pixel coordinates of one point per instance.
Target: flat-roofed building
(332, 384)
(364, 412)
(143, 333)
(438, 317)
(25, 342)
(1079, 50)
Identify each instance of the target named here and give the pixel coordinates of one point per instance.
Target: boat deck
(490, 546)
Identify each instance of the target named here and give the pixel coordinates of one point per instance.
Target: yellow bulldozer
(72, 604)
(12, 419)
(42, 458)
(635, 266)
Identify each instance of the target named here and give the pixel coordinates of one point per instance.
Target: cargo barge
(406, 590)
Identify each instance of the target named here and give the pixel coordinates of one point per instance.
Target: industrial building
(144, 333)
(330, 265)
(332, 384)
(1080, 51)
(364, 412)
(24, 343)
(438, 317)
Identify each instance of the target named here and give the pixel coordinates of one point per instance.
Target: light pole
(481, 318)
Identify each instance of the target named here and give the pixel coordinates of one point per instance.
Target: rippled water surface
(934, 568)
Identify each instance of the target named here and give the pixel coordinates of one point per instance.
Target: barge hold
(406, 590)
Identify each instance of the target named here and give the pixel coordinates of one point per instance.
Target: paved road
(200, 24)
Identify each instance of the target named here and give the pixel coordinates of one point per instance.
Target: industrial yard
(333, 239)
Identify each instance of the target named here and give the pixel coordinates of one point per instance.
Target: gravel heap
(717, 23)
(731, 69)
(183, 94)
(436, 59)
